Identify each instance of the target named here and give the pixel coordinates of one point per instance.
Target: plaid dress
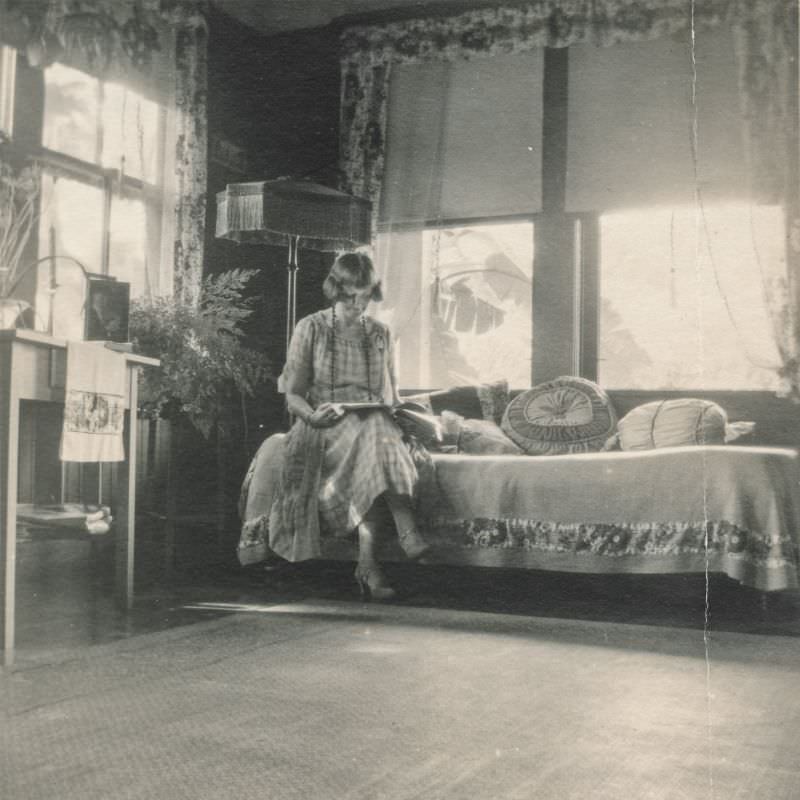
(363, 455)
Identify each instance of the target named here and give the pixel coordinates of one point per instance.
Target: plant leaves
(206, 364)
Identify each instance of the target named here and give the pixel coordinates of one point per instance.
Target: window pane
(8, 72)
(72, 220)
(683, 297)
(127, 252)
(71, 112)
(459, 303)
(131, 132)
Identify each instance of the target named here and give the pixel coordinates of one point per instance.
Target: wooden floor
(335, 699)
(477, 684)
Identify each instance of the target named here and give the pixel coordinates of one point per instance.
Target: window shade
(631, 120)
(464, 139)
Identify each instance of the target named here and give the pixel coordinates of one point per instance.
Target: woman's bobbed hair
(352, 270)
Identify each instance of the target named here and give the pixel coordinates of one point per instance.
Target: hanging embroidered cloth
(94, 406)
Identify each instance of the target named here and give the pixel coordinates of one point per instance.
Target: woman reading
(342, 467)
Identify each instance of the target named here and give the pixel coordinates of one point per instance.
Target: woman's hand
(325, 415)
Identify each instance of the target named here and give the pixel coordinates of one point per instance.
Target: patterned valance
(513, 29)
(97, 35)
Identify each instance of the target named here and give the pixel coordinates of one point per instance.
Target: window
(684, 255)
(462, 313)
(683, 297)
(655, 264)
(463, 145)
(101, 191)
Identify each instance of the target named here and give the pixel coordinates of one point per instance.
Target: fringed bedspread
(725, 509)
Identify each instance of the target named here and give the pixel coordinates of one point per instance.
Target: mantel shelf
(36, 337)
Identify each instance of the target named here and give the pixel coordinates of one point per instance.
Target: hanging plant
(93, 33)
(101, 30)
(139, 39)
(19, 194)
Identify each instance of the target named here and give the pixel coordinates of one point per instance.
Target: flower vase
(12, 313)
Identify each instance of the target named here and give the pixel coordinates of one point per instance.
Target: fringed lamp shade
(271, 212)
(295, 213)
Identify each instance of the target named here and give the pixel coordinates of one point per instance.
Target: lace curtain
(159, 48)
(765, 36)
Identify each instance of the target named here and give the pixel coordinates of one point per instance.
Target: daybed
(718, 508)
(725, 509)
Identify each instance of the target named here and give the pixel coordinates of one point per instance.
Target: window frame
(26, 144)
(113, 181)
(8, 79)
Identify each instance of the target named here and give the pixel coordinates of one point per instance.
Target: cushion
(676, 423)
(262, 478)
(476, 436)
(566, 415)
(255, 500)
(476, 401)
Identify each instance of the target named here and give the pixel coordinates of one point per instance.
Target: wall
(276, 98)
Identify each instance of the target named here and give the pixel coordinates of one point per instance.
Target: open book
(412, 418)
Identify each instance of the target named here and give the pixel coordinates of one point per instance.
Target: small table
(33, 367)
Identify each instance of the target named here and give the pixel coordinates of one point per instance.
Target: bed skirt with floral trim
(765, 562)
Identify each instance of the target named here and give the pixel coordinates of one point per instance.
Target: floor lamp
(296, 213)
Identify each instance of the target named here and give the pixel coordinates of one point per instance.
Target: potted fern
(207, 369)
(207, 374)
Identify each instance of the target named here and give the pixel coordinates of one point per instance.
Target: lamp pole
(291, 288)
(53, 283)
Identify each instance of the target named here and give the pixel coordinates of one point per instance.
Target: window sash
(8, 79)
(134, 173)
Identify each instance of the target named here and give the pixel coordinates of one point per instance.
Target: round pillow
(566, 415)
(673, 423)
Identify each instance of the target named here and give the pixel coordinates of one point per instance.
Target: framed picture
(107, 305)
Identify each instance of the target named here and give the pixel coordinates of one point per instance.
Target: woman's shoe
(373, 585)
(412, 543)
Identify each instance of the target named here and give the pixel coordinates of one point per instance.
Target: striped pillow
(673, 423)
